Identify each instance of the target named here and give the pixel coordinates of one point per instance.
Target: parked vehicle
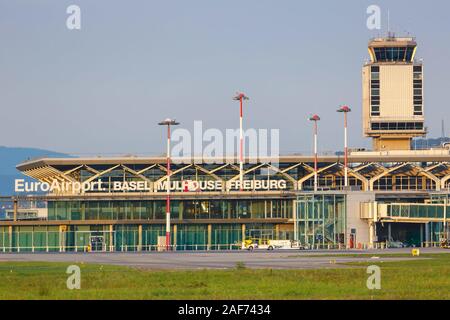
(249, 245)
(252, 244)
(445, 244)
(395, 244)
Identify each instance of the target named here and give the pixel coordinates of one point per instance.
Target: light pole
(315, 118)
(345, 110)
(240, 97)
(168, 122)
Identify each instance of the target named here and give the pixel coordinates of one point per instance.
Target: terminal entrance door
(97, 243)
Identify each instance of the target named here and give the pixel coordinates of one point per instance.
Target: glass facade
(389, 126)
(136, 225)
(415, 210)
(26, 238)
(321, 219)
(180, 209)
(400, 182)
(130, 237)
(390, 54)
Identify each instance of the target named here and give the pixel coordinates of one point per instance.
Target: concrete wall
(353, 216)
(396, 84)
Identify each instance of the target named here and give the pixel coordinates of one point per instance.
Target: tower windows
(375, 91)
(418, 90)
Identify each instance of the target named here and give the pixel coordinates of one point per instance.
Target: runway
(283, 259)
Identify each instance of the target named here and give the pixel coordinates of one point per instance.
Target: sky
(101, 90)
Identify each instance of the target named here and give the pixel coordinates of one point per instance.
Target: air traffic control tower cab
(393, 110)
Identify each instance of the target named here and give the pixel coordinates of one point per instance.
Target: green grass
(413, 279)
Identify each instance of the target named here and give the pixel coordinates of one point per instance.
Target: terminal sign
(57, 186)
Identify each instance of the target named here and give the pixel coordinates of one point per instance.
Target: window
(391, 126)
(394, 53)
(375, 112)
(418, 110)
(409, 53)
(400, 126)
(375, 92)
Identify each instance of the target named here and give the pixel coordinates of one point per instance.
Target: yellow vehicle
(247, 244)
(251, 244)
(445, 244)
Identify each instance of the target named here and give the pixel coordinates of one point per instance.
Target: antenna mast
(389, 23)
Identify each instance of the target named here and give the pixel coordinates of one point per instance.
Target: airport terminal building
(399, 197)
(394, 195)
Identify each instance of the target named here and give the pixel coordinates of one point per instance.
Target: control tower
(393, 110)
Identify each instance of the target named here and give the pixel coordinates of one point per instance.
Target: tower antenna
(389, 23)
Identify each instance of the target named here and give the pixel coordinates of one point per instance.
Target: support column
(294, 216)
(10, 234)
(174, 237)
(111, 238)
(243, 232)
(32, 239)
(277, 231)
(15, 207)
(139, 246)
(209, 236)
(427, 234)
(62, 238)
(445, 229)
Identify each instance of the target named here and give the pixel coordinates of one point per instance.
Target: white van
(285, 244)
(272, 245)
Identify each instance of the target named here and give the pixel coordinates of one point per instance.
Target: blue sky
(102, 89)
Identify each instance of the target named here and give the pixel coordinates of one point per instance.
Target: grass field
(427, 278)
